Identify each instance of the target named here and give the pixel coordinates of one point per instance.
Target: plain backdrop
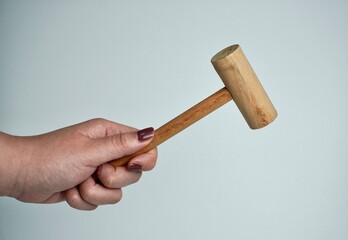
(141, 63)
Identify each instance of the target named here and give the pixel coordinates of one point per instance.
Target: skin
(70, 164)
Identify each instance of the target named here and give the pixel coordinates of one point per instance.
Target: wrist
(10, 165)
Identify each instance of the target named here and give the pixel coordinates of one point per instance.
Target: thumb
(119, 145)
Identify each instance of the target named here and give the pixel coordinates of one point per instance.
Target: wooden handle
(181, 122)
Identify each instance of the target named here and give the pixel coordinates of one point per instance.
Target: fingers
(97, 194)
(143, 162)
(117, 177)
(90, 194)
(109, 141)
(113, 147)
(73, 198)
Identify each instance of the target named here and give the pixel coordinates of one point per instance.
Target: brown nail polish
(135, 167)
(145, 134)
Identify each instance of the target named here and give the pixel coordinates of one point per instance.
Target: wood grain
(240, 79)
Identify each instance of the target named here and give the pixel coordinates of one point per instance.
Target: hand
(71, 164)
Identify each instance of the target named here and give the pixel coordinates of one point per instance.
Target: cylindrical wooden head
(246, 89)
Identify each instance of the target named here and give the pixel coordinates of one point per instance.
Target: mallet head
(244, 86)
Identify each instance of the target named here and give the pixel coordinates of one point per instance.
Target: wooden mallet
(241, 84)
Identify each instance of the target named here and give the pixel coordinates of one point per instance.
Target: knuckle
(87, 194)
(74, 199)
(98, 122)
(120, 142)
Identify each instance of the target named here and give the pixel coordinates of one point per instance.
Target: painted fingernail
(135, 167)
(145, 134)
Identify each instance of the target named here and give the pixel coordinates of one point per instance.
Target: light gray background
(143, 62)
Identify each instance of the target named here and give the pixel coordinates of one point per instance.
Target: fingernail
(145, 134)
(135, 167)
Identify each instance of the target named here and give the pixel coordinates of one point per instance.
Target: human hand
(71, 164)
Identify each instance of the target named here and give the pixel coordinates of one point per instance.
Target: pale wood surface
(240, 79)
